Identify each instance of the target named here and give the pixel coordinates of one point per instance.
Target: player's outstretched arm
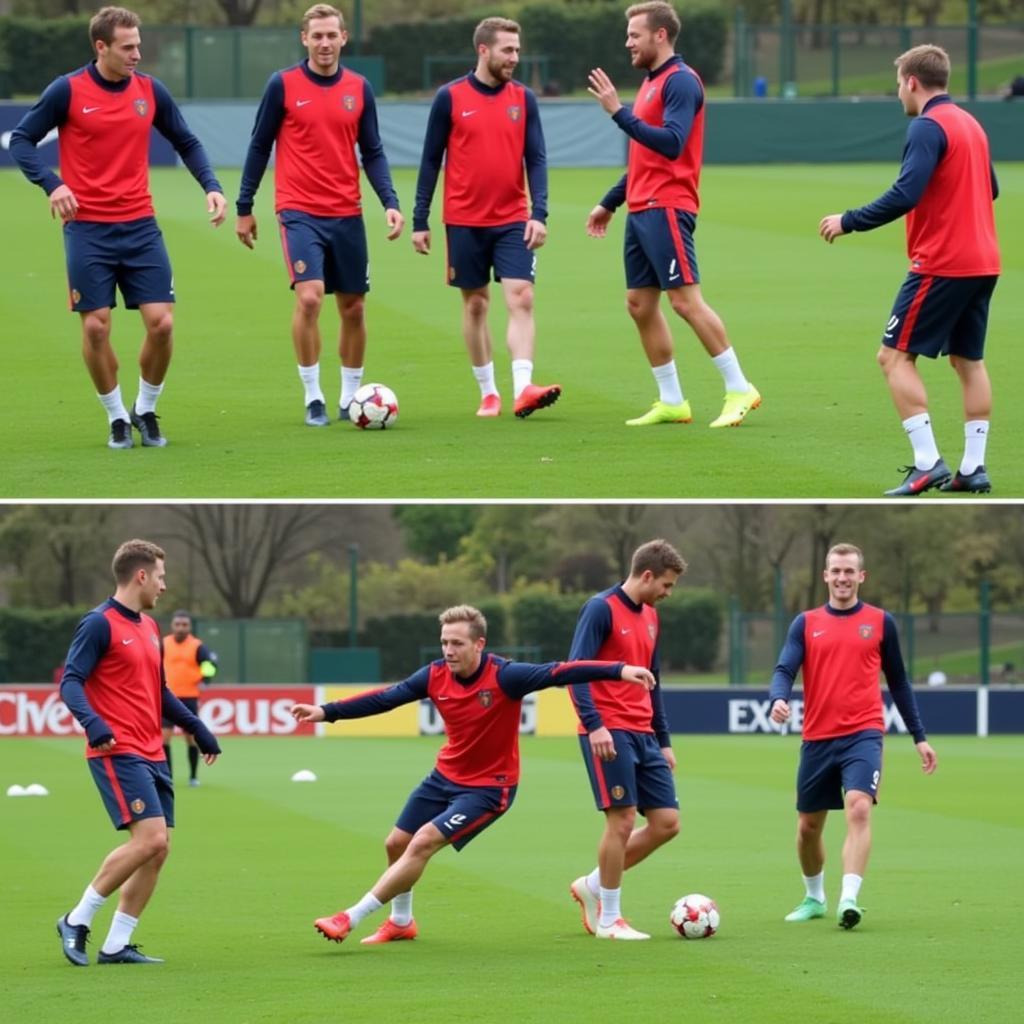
(307, 713)
(245, 229)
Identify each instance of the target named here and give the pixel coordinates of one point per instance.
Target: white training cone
(305, 775)
(36, 789)
(15, 790)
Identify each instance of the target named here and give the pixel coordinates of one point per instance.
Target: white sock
(815, 886)
(851, 887)
(401, 908)
(366, 906)
(351, 379)
(670, 391)
(148, 394)
(522, 375)
(90, 902)
(310, 377)
(485, 378)
(919, 431)
(610, 901)
(729, 367)
(121, 929)
(114, 405)
(594, 881)
(975, 438)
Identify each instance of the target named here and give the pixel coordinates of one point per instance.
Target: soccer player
(103, 113)
(660, 189)
(841, 647)
(316, 113)
(489, 126)
(475, 779)
(188, 663)
(113, 684)
(946, 188)
(624, 735)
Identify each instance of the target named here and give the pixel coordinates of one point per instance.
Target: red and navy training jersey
(103, 131)
(316, 122)
(612, 625)
(946, 188)
(485, 136)
(841, 652)
(666, 142)
(116, 655)
(481, 712)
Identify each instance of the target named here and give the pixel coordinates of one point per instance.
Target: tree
(435, 531)
(245, 546)
(506, 543)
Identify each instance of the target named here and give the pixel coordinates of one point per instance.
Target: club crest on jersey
(153, 640)
(865, 631)
(618, 792)
(486, 698)
(138, 806)
(513, 112)
(348, 102)
(650, 94)
(651, 631)
(300, 266)
(141, 106)
(76, 296)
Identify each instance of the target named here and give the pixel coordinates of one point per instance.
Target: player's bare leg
(148, 839)
(977, 398)
(662, 825)
(477, 336)
(97, 353)
(138, 888)
(399, 924)
(644, 306)
(911, 401)
(155, 356)
(810, 850)
(520, 338)
(309, 300)
(351, 345)
(856, 849)
(611, 862)
(741, 397)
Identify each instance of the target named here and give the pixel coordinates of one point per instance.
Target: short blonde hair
(465, 613)
(322, 11)
(487, 31)
(928, 63)
(846, 549)
(659, 15)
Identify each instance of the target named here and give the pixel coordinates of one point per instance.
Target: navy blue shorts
(940, 316)
(474, 252)
(130, 255)
(133, 788)
(830, 768)
(638, 777)
(192, 703)
(659, 250)
(328, 249)
(460, 813)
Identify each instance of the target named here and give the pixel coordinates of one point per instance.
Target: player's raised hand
(597, 222)
(602, 745)
(421, 242)
(831, 227)
(929, 760)
(636, 674)
(535, 235)
(395, 222)
(245, 228)
(780, 712)
(307, 713)
(603, 90)
(63, 204)
(216, 207)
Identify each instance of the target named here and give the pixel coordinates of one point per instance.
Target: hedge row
(33, 642)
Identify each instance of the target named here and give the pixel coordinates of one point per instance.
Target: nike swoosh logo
(888, 334)
(819, 632)
(128, 641)
(468, 113)
(302, 103)
(672, 277)
(442, 698)
(89, 110)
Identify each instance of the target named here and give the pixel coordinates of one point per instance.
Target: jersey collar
(124, 610)
(626, 599)
(935, 101)
(322, 80)
(103, 83)
(483, 87)
(661, 69)
(843, 612)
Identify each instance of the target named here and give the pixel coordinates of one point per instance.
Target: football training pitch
(255, 858)
(806, 320)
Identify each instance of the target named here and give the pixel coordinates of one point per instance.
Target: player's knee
(636, 307)
(309, 301)
(476, 306)
(520, 300)
(353, 310)
(96, 328)
(858, 810)
(161, 327)
(395, 845)
(669, 827)
(683, 304)
(156, 845)
(809, 828)
(622, 822)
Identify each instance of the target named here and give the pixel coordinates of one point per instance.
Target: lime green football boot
(849, 914)
(736, 406)
(662, 412)
(807, 910)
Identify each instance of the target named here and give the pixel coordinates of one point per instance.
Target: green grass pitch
(256, 858)
(806, 320)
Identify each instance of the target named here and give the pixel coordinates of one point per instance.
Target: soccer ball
(373, 407)
(695, 917)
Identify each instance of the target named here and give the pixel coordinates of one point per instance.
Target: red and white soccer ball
(695, 916)
(374, 407)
